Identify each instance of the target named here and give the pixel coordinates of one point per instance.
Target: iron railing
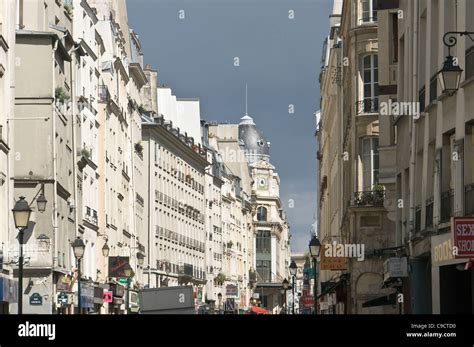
(367, 106)
(369, 198)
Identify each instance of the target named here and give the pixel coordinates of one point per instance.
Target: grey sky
(279, 59)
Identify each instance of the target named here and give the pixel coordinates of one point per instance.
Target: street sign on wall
(36, 299)
(463, 233)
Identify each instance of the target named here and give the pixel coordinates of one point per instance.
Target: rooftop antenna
(246, 103)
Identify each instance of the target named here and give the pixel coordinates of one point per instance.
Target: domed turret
(252, 141)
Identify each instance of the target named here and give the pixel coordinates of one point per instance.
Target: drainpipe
(55, 170)
(74, 154)
(413, 127)
(150, 234)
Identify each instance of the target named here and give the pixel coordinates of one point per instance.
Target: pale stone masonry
(353, 204)
(126, 166)
(7, 105)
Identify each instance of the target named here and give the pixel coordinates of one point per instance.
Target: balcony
(186, 270)
(370, 198)
(91, 215)
(367, 106)
(447, 204)
(469, 199)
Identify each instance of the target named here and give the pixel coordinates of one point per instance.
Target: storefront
(332, 299)
(98, 299)
(118, 299)
(8, 294)
(87, 297)
(64, 296)
(452, 279)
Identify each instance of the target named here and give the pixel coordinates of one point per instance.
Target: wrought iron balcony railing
(367, 106)
(369, 198)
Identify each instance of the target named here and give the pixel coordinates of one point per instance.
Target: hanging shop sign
(108, 296)
(64, 283)
(231, 290)
(116, 266)
(64, 298)
(331, 263)
(463, 234)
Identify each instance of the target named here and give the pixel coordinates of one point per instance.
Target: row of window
(185, 209)
(180, 239)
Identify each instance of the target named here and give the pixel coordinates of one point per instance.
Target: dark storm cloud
(279, 59)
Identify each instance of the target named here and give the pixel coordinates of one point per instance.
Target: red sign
(307, 300)
(463, 232)
(107, 296)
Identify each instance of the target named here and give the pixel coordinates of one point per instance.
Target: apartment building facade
(245, 152)
(435, 181)
(7, 104)
(45, 163)
(353, 195)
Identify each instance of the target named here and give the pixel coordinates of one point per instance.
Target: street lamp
(105, 250)
(285, 284)
(128, 271)
(314, 249)
(293, 270)
(450, 73)
(78, 247)
(141, 258)
(450, 76)
(21, 216)
(41, 202)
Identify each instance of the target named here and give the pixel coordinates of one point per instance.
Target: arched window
(261, 214)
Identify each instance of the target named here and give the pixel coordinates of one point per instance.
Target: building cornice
(161, 133)
(137, 74)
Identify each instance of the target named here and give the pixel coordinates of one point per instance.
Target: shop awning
(330, 288)
(258, 310)
(390, 299)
